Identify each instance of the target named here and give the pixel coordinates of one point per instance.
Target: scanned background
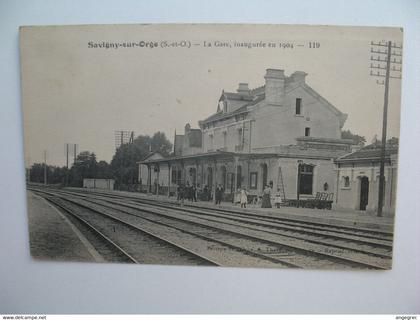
(81, 95)
(29, 286)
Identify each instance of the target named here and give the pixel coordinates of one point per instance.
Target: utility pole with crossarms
(386, 57)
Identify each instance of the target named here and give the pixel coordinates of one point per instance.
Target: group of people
(266, 198)
(241, 197)
(189, 192)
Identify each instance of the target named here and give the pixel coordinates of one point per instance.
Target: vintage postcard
(212, 145)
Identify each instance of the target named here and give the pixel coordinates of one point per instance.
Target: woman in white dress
(277, 199)
(244, 198)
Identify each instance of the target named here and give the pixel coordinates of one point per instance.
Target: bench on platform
(322, 200)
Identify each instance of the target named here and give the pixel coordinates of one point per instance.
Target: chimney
(243, 89)
(274, 86)
(299, 76)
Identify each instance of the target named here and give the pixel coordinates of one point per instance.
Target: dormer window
(222, 106)
(298, 107)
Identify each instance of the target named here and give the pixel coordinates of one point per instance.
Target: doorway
(264, 175)
(238, 177)
(210, 177)
(364, 192)
(223, 177)
(193, 176)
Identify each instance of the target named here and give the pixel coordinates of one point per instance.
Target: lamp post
(300, 162)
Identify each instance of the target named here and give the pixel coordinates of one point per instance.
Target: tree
(103, 170)
(124, 162)
(36, 173)
(160, 143)
(55, 175)
(84, 167)
(391, 143)
(359, 140)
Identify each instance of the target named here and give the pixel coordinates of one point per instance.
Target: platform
(350, 218)
(53, 237)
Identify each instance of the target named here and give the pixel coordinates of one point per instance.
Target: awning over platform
(215, 155)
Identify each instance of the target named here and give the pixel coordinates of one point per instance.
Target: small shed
(358, 180)
(104, 184)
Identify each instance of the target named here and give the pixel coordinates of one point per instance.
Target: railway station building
(358, 180)
(282, 134)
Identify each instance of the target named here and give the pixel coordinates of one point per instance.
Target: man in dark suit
(219, 194)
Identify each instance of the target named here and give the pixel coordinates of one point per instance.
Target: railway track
(137, 246)
(107, 248)
(260, 237)
(348, 230)
(372, 242)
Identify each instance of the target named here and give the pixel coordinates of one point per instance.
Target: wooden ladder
(280, 184)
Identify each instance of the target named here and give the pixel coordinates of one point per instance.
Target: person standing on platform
(181, 193)
(193, 193)
(187, 192)
(206, 193)
(178, 192)
(277, 199)
(244, 198)
(218, 194)
(266, 200)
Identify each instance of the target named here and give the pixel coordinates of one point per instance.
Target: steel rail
(277, 243)
(93, 229)
(177, 246)
(359, 230)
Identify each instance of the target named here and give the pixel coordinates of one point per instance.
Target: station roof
(213, 155)
(366, 153)
(295, 152)
(221, 115)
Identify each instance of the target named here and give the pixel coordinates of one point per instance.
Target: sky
(73, 92)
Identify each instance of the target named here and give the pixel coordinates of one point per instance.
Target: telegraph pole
(67, 155)
(122, 137)
(28, 171)
(67, 164)
(300, 162)
(69, 148)
(45, 167)
(131, 141)
(384, 59)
